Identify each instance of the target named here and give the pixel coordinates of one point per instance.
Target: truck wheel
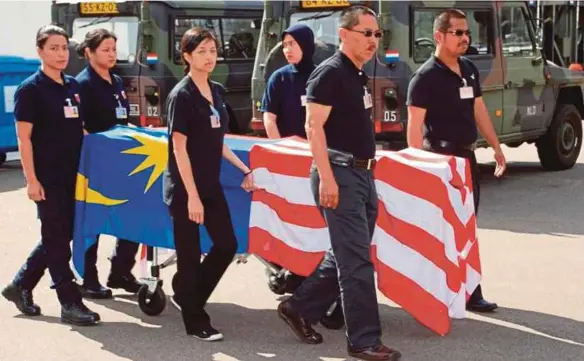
(2, 158)
(559, 148)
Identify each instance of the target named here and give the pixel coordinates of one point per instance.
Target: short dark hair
(191, 39)
(93, 40)
(46, 31)
(442, 21)
(350, 17)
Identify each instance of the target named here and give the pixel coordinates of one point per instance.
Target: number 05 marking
(390, 116)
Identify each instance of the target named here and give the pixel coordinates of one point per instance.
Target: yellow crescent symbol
(85, 194)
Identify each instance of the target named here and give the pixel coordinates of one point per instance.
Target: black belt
(344, 159)
(449, 146)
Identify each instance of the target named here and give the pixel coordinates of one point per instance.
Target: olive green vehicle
(523, 51)
(148, 46)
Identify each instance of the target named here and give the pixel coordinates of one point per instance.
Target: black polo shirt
(204, 125)
(99, 100)
(56, 138)
(337, 82)
(437, 89)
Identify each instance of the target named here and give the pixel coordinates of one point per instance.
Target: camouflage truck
(531, 94)
(149, 59)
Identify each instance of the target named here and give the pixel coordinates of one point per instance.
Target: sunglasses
(458, 32)
(368, 33)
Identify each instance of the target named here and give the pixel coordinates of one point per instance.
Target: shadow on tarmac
(258, 334)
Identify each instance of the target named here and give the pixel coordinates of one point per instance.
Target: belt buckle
(369, 163)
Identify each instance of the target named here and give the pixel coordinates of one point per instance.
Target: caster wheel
(175, 283)
(151, 304)
(277, 285)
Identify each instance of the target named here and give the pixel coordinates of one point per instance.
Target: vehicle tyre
(560, 147)
(2, 158)
(151, 304)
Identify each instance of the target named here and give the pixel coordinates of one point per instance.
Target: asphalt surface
(532, 247)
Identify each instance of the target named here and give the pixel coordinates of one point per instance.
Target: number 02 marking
(390, 116)
(152, 111)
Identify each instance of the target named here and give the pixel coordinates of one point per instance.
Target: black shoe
(128, 283)
(334, 321)
(206, 333)
(301, 328)
(375, 353)
(22, 299)
(481, 306)
(96, 292)
(78, 314)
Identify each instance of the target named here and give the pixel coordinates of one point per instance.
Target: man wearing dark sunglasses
(445, 107)
(342, 140)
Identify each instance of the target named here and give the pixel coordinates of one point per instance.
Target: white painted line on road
(523, 328)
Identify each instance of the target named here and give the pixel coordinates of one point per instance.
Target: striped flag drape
(424, 248)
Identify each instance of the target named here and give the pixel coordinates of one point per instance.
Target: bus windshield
(324, 25)
(125, 28)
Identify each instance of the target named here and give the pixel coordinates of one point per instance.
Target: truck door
(524, 107)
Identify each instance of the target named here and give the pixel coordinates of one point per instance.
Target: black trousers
(477, 295)
(346, 268)
(123, 260)
(196, 279)
(56, 214)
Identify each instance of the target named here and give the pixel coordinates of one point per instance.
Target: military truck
(522, 50)
(149, 59)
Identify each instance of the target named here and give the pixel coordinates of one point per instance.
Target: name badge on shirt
(121, 113)
(215, 123)
(367, 100)
(466, 92)
(303, 100)
(71, 111)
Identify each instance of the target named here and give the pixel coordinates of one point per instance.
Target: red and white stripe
(424, 246)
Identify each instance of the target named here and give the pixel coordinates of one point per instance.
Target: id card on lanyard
(121, 112)
(215, 118)
(70, 110)
(367, 100)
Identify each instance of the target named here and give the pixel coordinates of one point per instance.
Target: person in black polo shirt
(445, 106)
(50, 134)
(341, 135)
(197, 122)
(283, 105)
(105, 104)
(284, 99)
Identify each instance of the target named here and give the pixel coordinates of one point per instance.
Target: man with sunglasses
(340, 131)
(445, 106)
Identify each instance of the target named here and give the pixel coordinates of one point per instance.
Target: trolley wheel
(277, 285)
(150, 303)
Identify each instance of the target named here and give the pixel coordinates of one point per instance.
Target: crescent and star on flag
(156, 152)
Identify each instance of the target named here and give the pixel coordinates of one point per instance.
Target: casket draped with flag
(424, 250)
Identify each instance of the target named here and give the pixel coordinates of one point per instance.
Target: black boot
(127, 282)
(22, 299)
(78, 314)
(96, 291)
